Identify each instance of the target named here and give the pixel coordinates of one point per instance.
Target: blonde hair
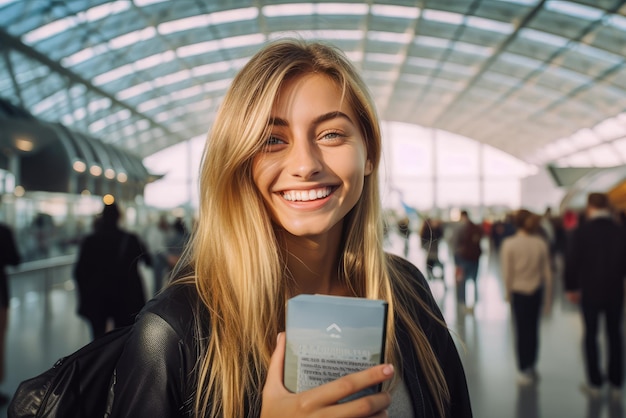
(238, 262)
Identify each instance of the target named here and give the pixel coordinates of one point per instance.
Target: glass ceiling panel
(610, 129)
(620, 146)
(278, 10)
(394, 37)
(575, 10)
(65, 24)
(543, 37)
(604, 156)
(443, 16)
(490, 25)
(400, 12)
(616, 21)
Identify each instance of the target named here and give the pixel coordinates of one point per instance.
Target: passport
(331, 336)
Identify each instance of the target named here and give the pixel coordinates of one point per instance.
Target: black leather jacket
(155, 375)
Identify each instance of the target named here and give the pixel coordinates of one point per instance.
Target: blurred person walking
(8, 256)
(430, 234)
(156, 237)
(595, 269)
(176, 241)
(107, 274)
(467, 251)
(404, 230)
(527, 275)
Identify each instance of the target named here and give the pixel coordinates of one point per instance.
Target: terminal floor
(42, 329)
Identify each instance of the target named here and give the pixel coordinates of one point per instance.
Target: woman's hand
(322, 400)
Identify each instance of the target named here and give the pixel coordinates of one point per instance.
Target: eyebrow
(275, 121)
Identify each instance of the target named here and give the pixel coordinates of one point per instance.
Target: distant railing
(42, 276)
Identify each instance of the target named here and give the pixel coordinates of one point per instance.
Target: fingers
(275, 370)
(368, 406)
(350, 384)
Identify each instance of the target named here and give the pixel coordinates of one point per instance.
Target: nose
(304, 159)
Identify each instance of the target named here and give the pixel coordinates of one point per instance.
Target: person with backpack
(467, 250)
(289, 205)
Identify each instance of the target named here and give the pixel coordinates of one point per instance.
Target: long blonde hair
(237, 260)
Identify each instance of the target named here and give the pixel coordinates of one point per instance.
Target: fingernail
(388, 370)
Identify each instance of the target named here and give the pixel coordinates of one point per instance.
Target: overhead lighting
(79, 166)
(95, 170)
(122, 177)
(109, 173)
(24, 144)
(19, 191)
(108, 199)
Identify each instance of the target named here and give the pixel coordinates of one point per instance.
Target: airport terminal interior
(488, 106)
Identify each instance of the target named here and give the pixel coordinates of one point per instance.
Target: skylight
(400, 12)
(341, 8)
(279, 10)
(144, 3)
(395, 37)
(483, 51)
(432, 42)
(335, 35)
(135, 90)
(489, 25)
(133, 38)
(585, 138)
(580, 159)
(197, 49)
(112, 75)
(422, 62)
(84, 55)
(244, 40)
(620, 146)
(216, 45)
(576, 10)
(520, 60)
(543, 37)
(172, 78)
(216, 67)
(443, 17)
(61, 25)
(610, 129)
(617, 21)
(605, 156)
(385, 58)
(205, 20)
(598, 54)
(154, 60)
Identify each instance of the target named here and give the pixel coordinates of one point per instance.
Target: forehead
(308, 93)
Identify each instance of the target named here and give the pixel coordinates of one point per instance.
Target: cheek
(262, 174)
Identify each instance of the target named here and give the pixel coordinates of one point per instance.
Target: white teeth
(305, 196)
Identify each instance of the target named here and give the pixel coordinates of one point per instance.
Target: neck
(313, 263)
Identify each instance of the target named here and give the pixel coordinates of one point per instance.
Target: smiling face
(312, 168)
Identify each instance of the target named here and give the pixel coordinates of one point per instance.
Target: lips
(306, 195)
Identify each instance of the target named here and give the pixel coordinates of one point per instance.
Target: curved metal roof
(539, 79)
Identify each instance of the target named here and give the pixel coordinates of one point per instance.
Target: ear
(369, 167)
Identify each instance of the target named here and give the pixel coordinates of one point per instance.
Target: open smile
(307, 195)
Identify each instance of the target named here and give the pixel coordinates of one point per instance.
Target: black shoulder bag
(76, 386)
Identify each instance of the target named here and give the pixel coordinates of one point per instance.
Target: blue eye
(274, 140)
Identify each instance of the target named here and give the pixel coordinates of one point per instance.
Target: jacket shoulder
(177, 305)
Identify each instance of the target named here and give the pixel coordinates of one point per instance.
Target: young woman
(289, 204)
